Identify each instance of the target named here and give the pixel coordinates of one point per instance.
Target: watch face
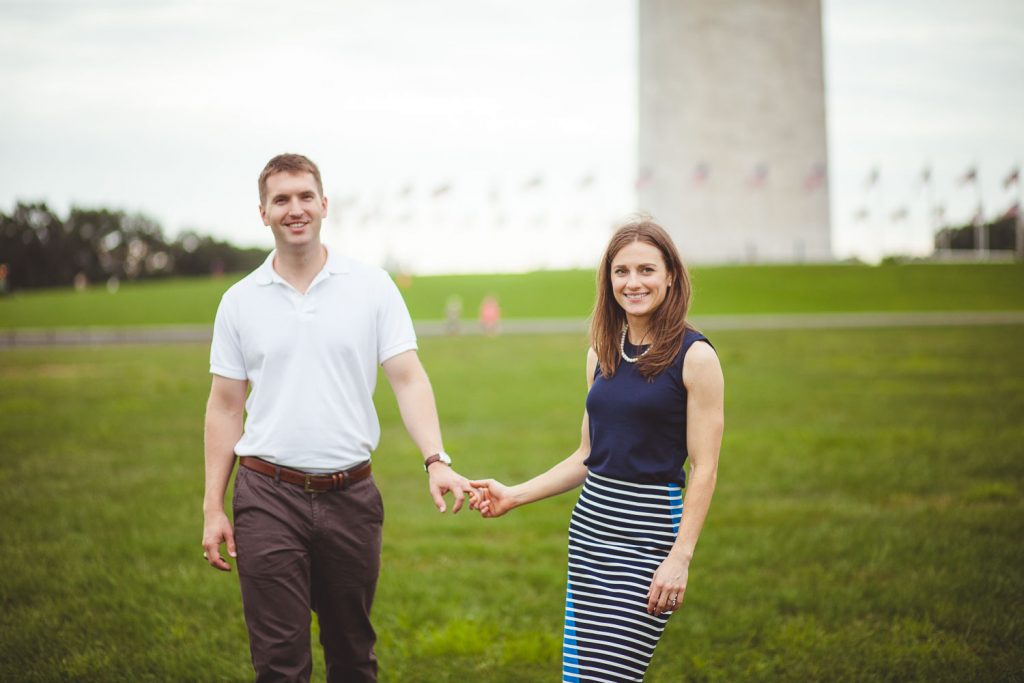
(444, 458)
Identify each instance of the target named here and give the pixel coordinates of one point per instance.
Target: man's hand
(217, 530)
(443, 479)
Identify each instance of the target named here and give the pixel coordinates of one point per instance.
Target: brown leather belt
(311, 483)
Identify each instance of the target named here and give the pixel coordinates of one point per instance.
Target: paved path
(200, 334)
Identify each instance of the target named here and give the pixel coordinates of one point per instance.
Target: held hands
(668, 586)
(490, 497)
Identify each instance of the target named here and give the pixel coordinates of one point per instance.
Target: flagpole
(926, 177)
(980, 243)
(870, 193)
(1020, 215)
(982, 232)
(943, 241)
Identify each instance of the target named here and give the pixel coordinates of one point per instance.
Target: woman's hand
(490, 497)
(668, 585)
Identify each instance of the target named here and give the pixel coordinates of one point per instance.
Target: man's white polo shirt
(311, 360)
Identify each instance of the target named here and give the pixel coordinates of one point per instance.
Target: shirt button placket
(307, 304)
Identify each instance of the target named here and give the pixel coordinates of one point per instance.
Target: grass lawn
(568, 294)
(867, 524)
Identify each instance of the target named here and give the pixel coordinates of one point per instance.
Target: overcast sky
(465, 113)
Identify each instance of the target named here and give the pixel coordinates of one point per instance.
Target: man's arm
(416, 404)
(224, 414)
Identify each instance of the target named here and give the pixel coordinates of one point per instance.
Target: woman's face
(640, 279)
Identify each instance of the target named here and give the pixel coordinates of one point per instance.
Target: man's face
(293, 209)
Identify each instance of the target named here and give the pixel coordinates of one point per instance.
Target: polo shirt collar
(336, 265)
(265, 274)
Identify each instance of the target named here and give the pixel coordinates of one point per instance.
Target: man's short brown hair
(288, 163)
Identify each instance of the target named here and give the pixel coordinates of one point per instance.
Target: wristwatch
(440, 456)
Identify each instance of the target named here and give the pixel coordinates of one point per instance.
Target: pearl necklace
(622, 347)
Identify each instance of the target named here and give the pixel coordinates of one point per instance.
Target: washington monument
(732, 145)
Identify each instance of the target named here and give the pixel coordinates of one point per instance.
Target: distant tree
(32, 245)
(101, 240)
(1001, 235)
(41, 250)
(196, 254)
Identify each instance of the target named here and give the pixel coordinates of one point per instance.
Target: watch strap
(436, 457)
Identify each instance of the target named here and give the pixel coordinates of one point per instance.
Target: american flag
(816, 177)
(758, 177)
(872, 179)
(969, 176)
(701, 173)
(978, 218)
(643, 178)
(1013, 178)
(533, 183)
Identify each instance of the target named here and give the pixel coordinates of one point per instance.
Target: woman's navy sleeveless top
(638, 428)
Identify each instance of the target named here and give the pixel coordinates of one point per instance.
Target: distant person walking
(655, 400)
(490, 315)
(453, 315)
(296, 345)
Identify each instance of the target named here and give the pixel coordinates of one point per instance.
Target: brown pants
(301, 551)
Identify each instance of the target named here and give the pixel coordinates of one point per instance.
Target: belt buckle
(306, 488)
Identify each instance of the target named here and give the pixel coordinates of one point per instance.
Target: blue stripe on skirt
(619, 534)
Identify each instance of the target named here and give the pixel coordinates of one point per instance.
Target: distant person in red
(296, 348)
(490, 315)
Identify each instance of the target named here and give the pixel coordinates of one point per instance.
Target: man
(303, 334)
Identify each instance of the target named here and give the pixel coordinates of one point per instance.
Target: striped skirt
(619, 534)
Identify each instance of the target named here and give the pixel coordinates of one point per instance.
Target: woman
(655, 400)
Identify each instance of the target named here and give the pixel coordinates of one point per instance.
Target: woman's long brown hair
(668, 322)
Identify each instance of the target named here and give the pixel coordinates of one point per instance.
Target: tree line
(38, 248)
(1001, 235)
